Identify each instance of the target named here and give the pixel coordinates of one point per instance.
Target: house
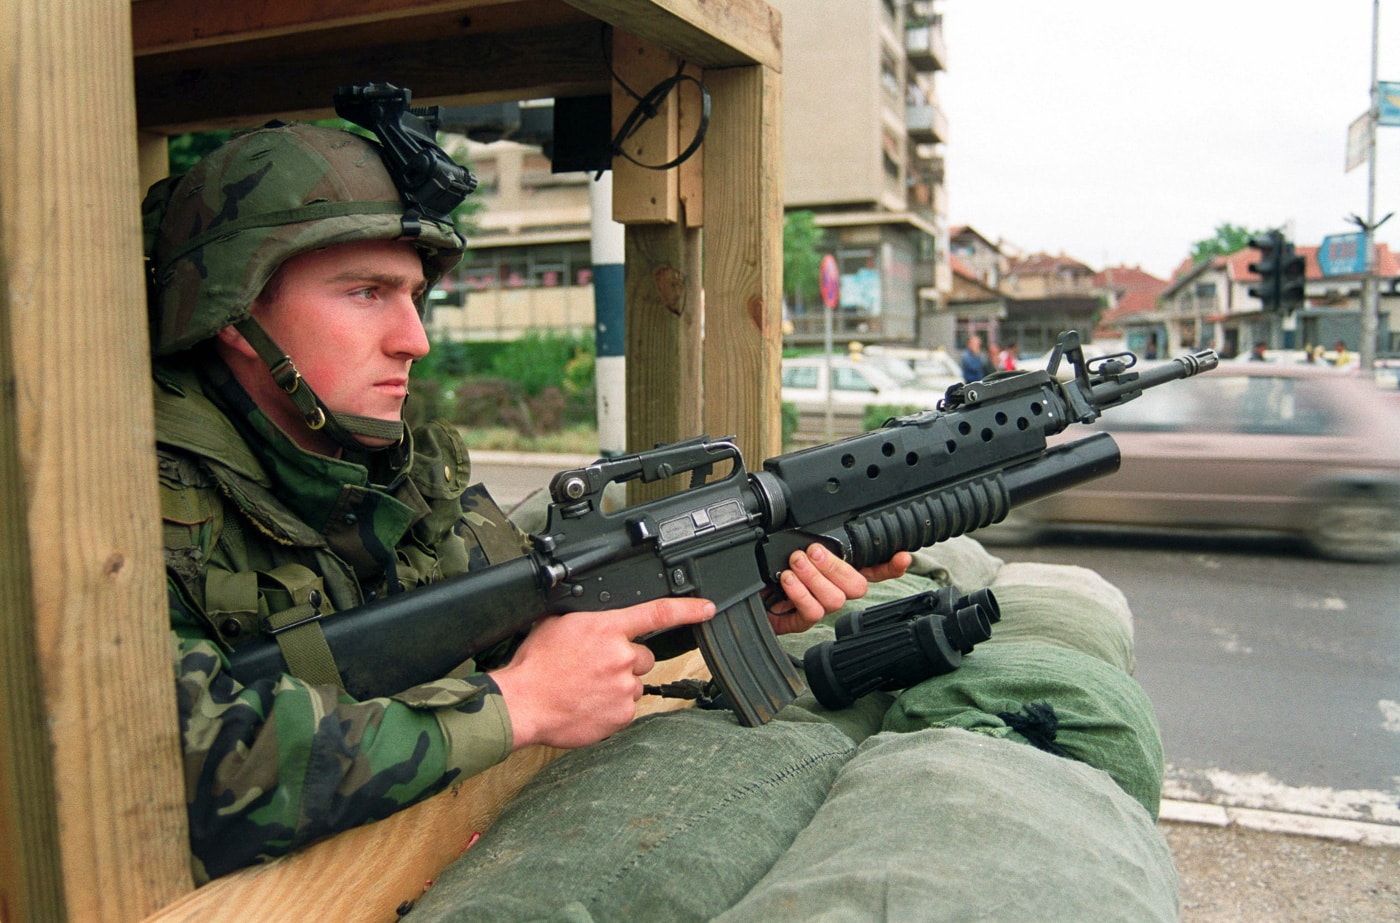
(1209, 304)
(1129, 291)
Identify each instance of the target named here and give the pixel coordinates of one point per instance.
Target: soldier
(288, 273)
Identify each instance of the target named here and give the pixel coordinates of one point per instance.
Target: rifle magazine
(750, 667)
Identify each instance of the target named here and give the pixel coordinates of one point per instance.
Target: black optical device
(899, 644)
(429, 180)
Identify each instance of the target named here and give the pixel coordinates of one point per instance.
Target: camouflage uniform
(259, 533)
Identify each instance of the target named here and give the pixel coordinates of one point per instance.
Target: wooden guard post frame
(92, 807)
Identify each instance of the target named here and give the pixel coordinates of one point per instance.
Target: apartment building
(862, 133)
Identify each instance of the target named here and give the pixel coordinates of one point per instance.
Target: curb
(1328, 828)
(556, 460)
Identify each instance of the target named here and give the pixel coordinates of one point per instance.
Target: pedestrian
(974, 362)
(1257, 353)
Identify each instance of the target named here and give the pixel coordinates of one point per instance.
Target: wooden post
(92, 807)
(743, 259)
(665, 393)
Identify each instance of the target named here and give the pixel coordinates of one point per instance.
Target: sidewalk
(1239, 865)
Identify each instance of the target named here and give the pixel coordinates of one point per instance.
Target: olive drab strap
(297, 627)
(288, 603)
(342, 427)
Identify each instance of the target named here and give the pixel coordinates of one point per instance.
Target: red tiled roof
(960, 267)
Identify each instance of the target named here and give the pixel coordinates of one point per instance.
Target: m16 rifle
(917, 480)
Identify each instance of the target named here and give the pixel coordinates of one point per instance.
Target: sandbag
(947, 825)
(1061, 700)
(1068, 606)
(674, 818)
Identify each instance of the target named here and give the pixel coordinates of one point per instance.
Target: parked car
(1292, 449)
(855, 385)
(933, 369)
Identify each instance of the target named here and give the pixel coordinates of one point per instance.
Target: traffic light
(1292, 272)
(1270, 247)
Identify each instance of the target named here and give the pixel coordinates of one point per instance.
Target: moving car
(1283, 448)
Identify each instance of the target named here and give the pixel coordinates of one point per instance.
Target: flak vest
(246, 564)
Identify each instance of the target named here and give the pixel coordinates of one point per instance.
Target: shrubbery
(538, 384)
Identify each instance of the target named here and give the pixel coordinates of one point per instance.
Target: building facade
(1209, 305)
(862, 136)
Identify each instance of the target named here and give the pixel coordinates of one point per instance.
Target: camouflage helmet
(215, 236)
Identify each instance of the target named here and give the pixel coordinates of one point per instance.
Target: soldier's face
(348, 317)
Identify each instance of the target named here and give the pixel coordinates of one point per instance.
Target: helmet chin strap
(341, 427)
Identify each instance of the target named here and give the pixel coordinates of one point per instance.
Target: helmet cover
(217, 235)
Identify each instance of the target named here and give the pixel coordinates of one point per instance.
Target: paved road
(1275, 676)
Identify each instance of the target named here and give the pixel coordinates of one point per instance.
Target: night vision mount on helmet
(216, 236)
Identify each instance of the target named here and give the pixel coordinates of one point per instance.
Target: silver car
(855, 384)
(1283, 448)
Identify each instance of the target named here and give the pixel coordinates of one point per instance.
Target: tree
(1229, 238)
(802, 257)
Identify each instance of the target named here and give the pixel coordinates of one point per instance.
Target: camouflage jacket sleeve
(272, 766)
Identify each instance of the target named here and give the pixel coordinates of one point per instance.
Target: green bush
(538, 384)
(788, 422)
(876, 414)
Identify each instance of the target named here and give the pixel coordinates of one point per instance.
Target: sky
(1120, 132)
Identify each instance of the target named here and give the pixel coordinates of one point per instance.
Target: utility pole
(1370, 306)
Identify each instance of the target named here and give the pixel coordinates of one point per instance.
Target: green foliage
(184, 151)
(802, 256)
(549, 359)
(788, 422)
(539, 384)
(876, 414)
(1229, 238)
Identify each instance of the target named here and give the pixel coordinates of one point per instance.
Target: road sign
(1342, 254)
(1388, 103)
(830, 282)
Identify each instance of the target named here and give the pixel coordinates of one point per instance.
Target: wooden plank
(560, 60)
(171, 25)
(665, 327)
(90, 603)
(708, 33)
(406, 851)
(743, 259)
(642, 195)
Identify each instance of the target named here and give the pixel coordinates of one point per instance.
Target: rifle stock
(916, 481)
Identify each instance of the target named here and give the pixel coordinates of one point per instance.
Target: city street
(1275, 675)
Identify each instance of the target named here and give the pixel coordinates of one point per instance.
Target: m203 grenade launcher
(917, 480)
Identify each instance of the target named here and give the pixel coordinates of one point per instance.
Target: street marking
(1390, 715)
(1260, 791)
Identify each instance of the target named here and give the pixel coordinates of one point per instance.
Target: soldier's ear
(230, 339)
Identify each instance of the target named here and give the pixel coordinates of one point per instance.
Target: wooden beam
(642, 195)
(562, 60)
(91, 745)
(743, 259)
(708, 33)
(159, 26)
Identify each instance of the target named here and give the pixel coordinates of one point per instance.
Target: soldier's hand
(818, 583)
(577, 678)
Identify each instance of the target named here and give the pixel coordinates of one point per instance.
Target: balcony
(925, 123)
(924, 47)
